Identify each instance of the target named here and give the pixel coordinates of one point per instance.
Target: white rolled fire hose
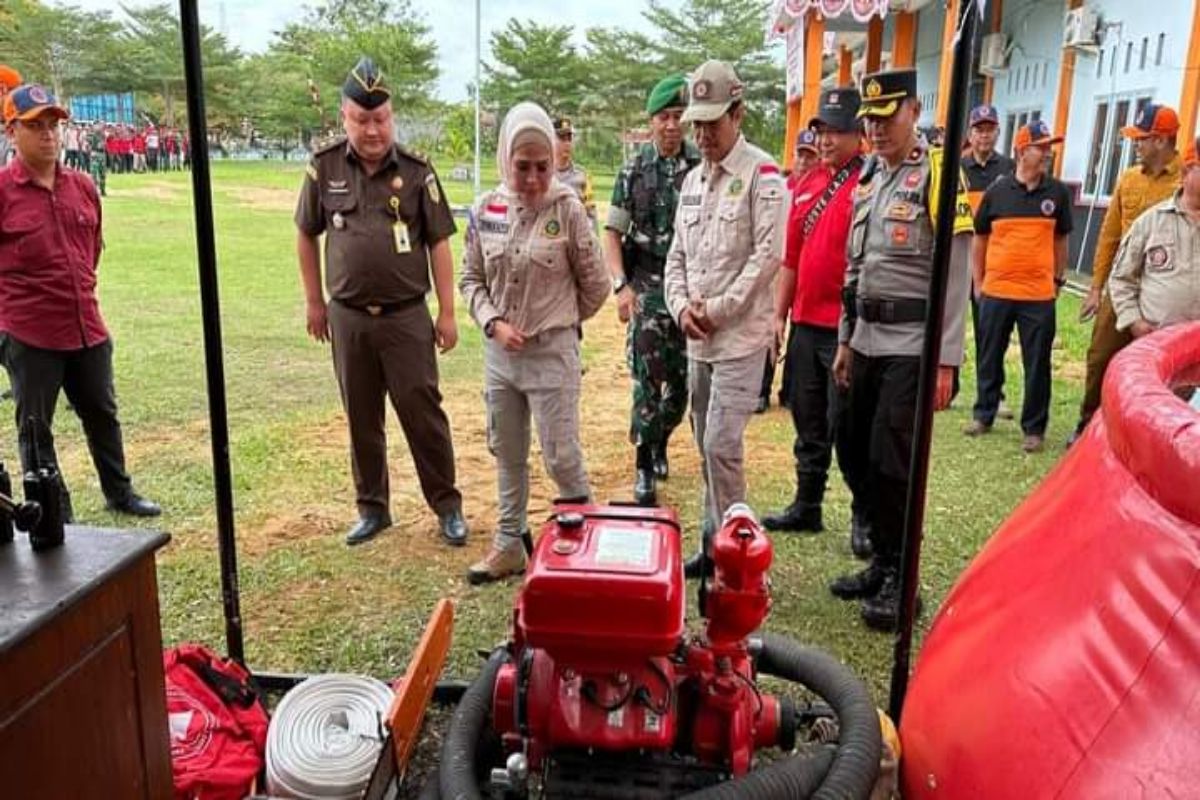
(325, 737)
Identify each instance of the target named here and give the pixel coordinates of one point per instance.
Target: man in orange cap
(1019, 259)
(9, 80)
(1154, 279)
(1153, 179)
(52, 337)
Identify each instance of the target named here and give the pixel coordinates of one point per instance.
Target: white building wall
(930, 25)
(1034, 28)
(1097, 78)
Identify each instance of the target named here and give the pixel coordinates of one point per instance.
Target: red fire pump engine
(603, 693)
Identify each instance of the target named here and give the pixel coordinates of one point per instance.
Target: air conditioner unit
(1080, 28)
(993, 54)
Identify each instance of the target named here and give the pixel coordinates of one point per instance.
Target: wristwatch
(619, 283)
(490, 327)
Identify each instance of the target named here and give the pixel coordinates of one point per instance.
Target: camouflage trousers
(97, 171)
(656, 351)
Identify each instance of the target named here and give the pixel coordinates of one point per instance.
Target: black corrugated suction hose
(456, 774)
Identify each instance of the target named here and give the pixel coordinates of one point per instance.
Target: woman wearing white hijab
(532, 274)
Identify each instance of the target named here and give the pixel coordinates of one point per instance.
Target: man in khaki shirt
(1156, 277)
(1150, 181)
(719, 273)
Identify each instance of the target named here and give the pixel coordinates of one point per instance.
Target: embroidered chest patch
(1048, 207)
(552, 228)
(1158, 257)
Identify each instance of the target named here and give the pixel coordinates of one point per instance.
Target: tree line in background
(290, 93)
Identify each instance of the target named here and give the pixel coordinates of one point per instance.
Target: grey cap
(713, 88)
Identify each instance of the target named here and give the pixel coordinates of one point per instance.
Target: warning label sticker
(622, 547)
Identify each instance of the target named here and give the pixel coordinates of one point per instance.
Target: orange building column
(845, 66)
(1062, 104)
(904, 41)
(798, 114)
(947, 61)
(1190, 98)
(874, 54)
(989, 82)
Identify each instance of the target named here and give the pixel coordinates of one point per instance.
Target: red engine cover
(606, 590)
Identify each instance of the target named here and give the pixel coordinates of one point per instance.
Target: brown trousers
(1107, 341)
(392, 356)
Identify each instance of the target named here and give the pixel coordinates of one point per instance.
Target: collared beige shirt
(1156, 274)
(538, 269)
(728, 245)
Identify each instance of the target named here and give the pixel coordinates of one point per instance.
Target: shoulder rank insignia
(431, 185)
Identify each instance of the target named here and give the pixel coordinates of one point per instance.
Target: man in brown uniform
(386, 222)
(1153, 179)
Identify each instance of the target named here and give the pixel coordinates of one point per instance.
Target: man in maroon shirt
(51, 334)
(810, 289)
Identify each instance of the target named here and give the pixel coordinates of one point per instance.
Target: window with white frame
(1018, 119)
(1110, 153)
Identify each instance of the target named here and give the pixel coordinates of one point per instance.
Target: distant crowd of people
(126, 148)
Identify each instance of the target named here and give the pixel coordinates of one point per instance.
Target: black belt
(891, 311)
(383, 309)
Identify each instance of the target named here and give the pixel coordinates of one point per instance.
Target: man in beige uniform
(1156, 276)
(386, 222)
(728, 245)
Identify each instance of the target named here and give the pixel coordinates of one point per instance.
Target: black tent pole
(211, 311)
(914, 517)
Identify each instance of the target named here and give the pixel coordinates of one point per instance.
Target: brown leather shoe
(497, 565)
(976, 427)
(1033, 443)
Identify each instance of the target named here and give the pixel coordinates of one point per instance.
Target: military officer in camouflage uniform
(718, 279)
(386, 227)
(881, 331)
(97, 168)
(638, 233)
(567, 171)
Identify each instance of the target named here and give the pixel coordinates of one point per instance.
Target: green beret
(668, 93)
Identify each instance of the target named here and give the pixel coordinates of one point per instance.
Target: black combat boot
(662, 468)
(858, 585)
(882, 612)
(701, 564)
(644, 493)
(804, 513)
(860, 536)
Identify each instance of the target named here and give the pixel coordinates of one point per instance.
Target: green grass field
(310, 603)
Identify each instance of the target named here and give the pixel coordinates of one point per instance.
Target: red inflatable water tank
(1065, 662)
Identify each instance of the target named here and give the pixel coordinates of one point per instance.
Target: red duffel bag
(218, 725)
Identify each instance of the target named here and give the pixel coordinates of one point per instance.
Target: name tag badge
(400, 237)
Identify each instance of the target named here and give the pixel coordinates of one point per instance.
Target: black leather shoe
(644, 493)
(882, 612)
(795, 518)
(698, 566)
(367, 528)
(135, 505)
(453, 528)
(662, 467)
(863, 583)
(860, 537)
